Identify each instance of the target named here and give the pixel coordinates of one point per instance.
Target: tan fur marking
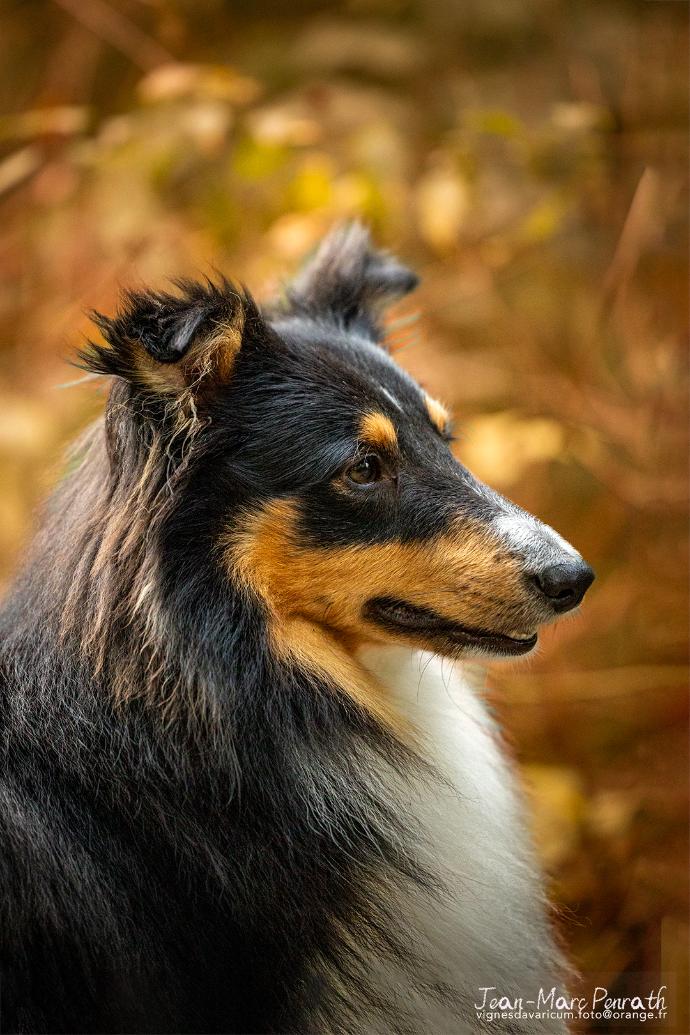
(316, 595)
(159, 378)
(318, 649)
(215, 355)
(209, 359)
(438, 414)
(379, 431)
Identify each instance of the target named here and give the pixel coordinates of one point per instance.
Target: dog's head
(322, 479)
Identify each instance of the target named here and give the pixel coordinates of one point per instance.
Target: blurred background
(529, 159)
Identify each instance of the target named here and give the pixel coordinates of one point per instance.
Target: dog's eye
(366, 470)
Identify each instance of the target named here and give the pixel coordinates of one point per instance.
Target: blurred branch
(18, 166)
(642, 224)
(117, 30)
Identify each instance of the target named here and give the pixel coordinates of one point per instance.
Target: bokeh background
(528, 157)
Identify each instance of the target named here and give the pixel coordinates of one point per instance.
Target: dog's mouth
(398, 616)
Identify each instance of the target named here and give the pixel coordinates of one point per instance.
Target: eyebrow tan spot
(438, 414)
(378, 430)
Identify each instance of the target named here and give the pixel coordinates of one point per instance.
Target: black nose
(564, 584)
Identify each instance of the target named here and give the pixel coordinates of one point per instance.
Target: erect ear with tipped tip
(350, 282)
(166, 344)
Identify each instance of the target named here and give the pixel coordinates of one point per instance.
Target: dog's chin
(441, 635)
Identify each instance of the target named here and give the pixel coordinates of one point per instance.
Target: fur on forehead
(349, 282)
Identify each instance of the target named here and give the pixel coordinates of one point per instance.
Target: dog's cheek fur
(460, 573)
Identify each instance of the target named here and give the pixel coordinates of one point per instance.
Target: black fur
(195, 834)
(348, 283)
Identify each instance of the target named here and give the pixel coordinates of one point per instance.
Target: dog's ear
(165, 344)
(350, 282)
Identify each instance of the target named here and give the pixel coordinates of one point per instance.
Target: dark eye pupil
(365, 470)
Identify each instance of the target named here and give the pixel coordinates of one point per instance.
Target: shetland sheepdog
(245, 786)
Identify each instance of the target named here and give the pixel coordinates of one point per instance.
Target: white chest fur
(491, 929)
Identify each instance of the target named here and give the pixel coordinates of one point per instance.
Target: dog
(245, 785)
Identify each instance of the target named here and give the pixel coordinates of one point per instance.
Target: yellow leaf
(499, 447)
(542, 222)
(442, 203)
(558, 807)
(178, 79)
